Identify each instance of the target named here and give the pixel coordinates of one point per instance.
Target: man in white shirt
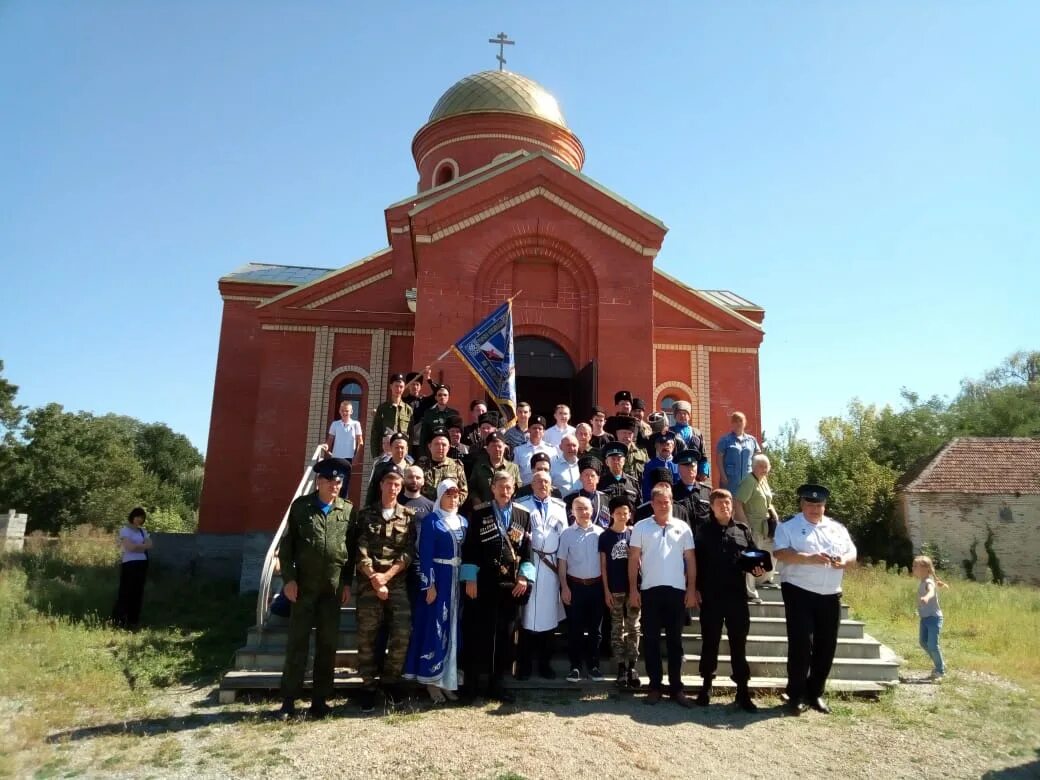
(536, 443)
(661, 549)
(581, 590)
(345, 439)
(815, 551)
(555, 435)
(566, 474)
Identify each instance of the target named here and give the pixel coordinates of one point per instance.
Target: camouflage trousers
(624, 629)
(373, 614)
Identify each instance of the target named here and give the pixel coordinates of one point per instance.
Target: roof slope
(979, 465)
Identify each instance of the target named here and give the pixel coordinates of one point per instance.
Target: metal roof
(498, 90)
(264, 273)
(731, 299)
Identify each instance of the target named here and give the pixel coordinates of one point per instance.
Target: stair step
(345, 680)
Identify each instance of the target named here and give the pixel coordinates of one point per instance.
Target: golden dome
(498, 91)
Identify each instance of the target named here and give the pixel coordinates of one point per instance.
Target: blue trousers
(929, 638)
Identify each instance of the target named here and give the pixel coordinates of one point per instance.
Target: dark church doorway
(545, 377)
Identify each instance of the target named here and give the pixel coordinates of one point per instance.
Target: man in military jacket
(689, 493)
(316, 555)
(394, 415)
(493, 459)
(616, 481)
(386, 545)
(437, 466)
(497, 572)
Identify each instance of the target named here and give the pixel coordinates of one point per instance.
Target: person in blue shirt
(735, 451)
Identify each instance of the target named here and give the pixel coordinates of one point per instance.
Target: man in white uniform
(815, 551)
(544, 610)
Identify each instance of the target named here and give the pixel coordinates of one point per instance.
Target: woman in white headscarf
(433, 649)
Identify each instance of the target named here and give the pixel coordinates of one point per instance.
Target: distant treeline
(71, 468)
(862, 453)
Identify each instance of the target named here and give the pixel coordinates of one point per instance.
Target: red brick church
(501, 206)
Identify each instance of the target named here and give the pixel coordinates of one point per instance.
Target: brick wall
(952, 521)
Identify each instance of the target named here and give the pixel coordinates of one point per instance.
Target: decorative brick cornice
(685, 310)
(348, 290)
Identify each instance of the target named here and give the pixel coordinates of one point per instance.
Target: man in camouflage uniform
(386, 544)
(624, 428)
(488, 462)
(394, 415)
(316, 555)
(437, 466)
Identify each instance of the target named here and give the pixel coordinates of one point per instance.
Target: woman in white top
(345, 438)
(135, 544)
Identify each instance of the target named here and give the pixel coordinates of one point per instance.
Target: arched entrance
(545, 377)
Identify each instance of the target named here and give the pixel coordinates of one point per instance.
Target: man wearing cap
(600, 437)
(392, 415)
(624, 430)
(492, 460)
(661, 549)
(536, 443)
(615, 480)
(687, 436)
(644, 431)
(814, 551)
(417, 401)
(457, 448)
(437, 416)
(539, 462)
(589, 469)
(386, 545)
(486, 425)
(664, 445)
(316, 556)
(397, 456)
(720, 588)
(689, 493)
(438, 466)
(566, 474)
(497, 572)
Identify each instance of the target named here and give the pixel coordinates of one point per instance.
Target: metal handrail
(263, 598)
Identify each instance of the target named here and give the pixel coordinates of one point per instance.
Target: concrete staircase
(862, 665)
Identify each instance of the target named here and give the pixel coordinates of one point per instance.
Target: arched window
(666, 406)
(350, 390)
(446, 171)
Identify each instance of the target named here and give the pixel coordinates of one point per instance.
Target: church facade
(502, 208)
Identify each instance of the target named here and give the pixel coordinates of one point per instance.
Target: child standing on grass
(930, 613)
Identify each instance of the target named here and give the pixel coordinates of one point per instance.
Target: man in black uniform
(720, 585)
(497, 572)
(693, 496)
(615, 481)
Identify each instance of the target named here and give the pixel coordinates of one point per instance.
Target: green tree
(1004, 402)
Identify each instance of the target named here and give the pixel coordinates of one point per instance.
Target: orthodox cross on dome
(502, 40)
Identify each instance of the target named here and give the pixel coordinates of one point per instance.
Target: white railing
(263, 598)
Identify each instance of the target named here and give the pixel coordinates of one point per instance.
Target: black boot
(622, 676)
(704, 697)
(287, 711)
(543, 645)
(744, 700)
(524, 655)
(633, 676)
(319, 709)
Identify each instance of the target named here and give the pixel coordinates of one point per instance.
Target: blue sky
(869, 172)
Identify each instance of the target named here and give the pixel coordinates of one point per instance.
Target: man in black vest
(497, 573)
(691, 495)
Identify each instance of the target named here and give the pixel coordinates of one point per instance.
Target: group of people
(474, 543)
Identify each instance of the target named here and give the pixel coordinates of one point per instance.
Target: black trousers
(731, 610)
(127, 610)
(812, 638)
(584, 616)
(663, 608)
(532, 647)
(488, 626)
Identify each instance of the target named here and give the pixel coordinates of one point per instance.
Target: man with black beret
(814, 551)
(589, 469)
(719, 546)
(540, 461)
(536, 443)
(316, 555)
(394, 415)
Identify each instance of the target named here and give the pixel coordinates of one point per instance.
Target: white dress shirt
(827, 536)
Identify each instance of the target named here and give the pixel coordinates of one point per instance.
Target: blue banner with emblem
(487, 351)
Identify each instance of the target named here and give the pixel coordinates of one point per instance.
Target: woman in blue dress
(434, 647)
